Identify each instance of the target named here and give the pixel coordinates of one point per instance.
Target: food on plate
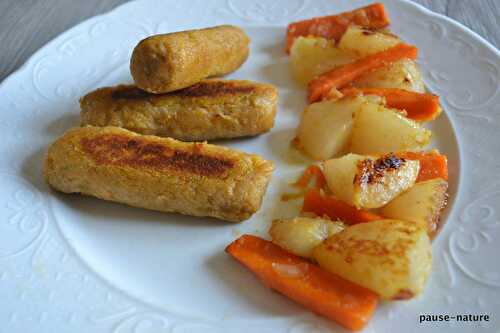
(334, 26)
(422, 203)
(337, 78)
(377, 129)
(418, 106)
(300, 235)
(168, 62)
(161, 174)
(312, 56)
(363, 124)
(390, 257)
(367, 182)
(432, 164)
(402, 74)
(325, 127)
(320, 291)
(374, 185)
(208, 110)
(324, 205)
(364, 42)
(370, 207)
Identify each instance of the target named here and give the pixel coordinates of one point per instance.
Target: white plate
(75, 264)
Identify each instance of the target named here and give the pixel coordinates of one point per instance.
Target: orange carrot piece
(333, 26)
(339, 77)
(311, 171)
(318, 290)
(418, 106)
(432, 164)
(334, 208)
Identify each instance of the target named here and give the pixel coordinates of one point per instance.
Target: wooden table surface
(26, 25)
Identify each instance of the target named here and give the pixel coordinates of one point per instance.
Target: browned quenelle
(208, 110)
(158, 173)
(168, 62)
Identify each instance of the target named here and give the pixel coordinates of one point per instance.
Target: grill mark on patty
(136, 152)
(213, 88)
(201, 89)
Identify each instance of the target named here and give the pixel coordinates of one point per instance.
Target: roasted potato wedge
(367, 182)
(325, 127)
(402, 74)
(390, 257)
(312, 56)
(379, 130)
(421, 204)
(301, 235)
(365, 42)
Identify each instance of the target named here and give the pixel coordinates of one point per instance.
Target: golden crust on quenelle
(158, 173)
(168, 62)
(124, 151)
(208, 110)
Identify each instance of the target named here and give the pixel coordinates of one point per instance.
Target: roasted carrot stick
(318, 290)
(432, 164)
(311, 171)
(339, 77)
(321, 205)
(418, 106)
(334, 26)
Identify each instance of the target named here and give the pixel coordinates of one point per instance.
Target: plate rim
(88, 21)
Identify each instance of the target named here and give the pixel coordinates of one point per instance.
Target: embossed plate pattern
(73, 264)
